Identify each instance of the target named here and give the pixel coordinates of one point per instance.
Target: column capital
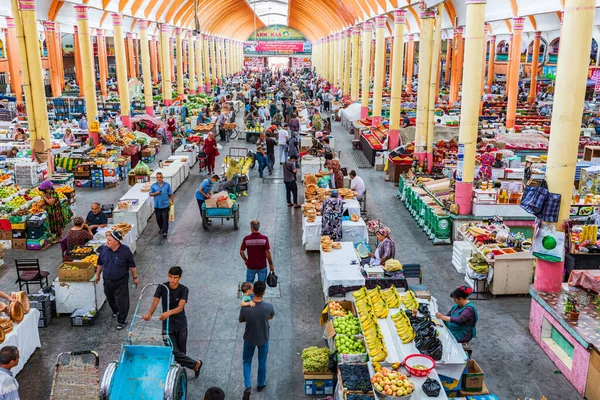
(117, 19)
(367, 26)
(10, 22)
(164, 28)
(380, 21)
(426, 14)
(100, 32)
(562, 17)
(467, 2)
(129, 35)
(458, 31)
(177, 31)
(199, 35)
(518, 23)
(510, 37)
(493, 38)
(143, 24)
(411, 37)
(356, 30)
(81, 11)
(537, 35)
(49, 26)
(399, 16)
(205, 36)
(76, 29)
(27, 5)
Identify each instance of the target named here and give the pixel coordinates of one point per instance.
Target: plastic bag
(548, 244)
(141, 169)
(172, 213)
(272, 279)
(431, 388)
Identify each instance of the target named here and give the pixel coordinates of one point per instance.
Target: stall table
(340, 271)
(311, 165)
(26, 337)
(188, 150)
(73, 295)
(138, 216)
(172, 174)
(100, 238)
(355, 232)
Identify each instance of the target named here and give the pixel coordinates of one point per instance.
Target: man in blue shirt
(204, 190)
(96, 218)
(9, 387)
(114, 262)
(163, 198)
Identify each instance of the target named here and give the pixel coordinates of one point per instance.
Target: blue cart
(145, 371)
(221, 213)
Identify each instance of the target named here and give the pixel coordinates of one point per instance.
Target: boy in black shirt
(178, 295)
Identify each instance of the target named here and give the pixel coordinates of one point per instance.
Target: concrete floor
(514, 365)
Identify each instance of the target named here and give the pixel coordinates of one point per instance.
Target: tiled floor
(515, 367)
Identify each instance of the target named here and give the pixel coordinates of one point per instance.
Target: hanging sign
(254, 62)
(300, 63)
(94, 126)
(277, 32)
(460, 165)
(596, 79)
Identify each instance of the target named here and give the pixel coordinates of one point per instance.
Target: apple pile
(392, 383)
(336, 309)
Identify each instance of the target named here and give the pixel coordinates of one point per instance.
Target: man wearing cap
(114, 262)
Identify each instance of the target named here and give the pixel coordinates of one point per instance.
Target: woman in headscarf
(79, 234)
(210, 148)
(462, 318)
(56, 219)
(317, 120)
(386, 249)
(171, 125)
(331, 217)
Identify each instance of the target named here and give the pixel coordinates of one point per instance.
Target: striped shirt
(9, 387)
(256, 246)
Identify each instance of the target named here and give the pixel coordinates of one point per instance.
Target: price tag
(95, 126)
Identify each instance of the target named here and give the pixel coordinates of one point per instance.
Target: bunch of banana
(403, 327)
(369, 324)
(380, 308)
(375, 343)
(410, 301)
(360, 293)
(364, 308)
(392, 297)
(589, 232)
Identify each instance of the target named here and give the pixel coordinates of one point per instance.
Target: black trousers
(162, 219)
(291, 188)
(179, 340)
(117, 296)
(326, 105)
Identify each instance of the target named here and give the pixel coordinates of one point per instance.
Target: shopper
(405, 120)
(358, 185)
(317, 120)
(295, 124)
(96, 218)
(258, 252)
(331, 217)
(289, 179)
(282, 141)
(9, 387)
(261, 153)
(79, 234)
(174, 312)
(211, 151)
(204, 191)
(271, 143)
(293, 146)
(326, 101)
(163, 198)
(256, 335)
(462, 317)
(57, 219)
(115, 260)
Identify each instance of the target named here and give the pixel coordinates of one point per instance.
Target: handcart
(76, 376)
(146, 368)
(221, 213)
(244, 161)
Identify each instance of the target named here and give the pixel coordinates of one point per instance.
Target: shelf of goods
(135, 208)
(427, 206)
(504, 202)
(387, 342)
(372, 141)
(582, 243)
(25, 336)
(507, 269)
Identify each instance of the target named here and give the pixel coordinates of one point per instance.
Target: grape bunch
(355, 377)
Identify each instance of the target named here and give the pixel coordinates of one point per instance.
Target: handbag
(272, 279)
(534, 199)
(551, 208)
(548, 244)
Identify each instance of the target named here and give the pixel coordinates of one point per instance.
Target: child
(247, 290)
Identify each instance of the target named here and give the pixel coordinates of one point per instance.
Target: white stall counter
(138, 216)
(73, 295)
(26, 337)
(355, 232)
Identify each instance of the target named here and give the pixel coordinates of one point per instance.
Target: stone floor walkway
(514, 365)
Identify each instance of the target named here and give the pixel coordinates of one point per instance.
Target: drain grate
(272, 180)
(360, 159)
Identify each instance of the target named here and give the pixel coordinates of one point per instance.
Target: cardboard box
(346, 305)
(6, 235)
(374, 271)
(483, 392)
(318, 384)
(6, 244)
(82, 273)
(19, 244)
(225, 203)
(473, 379)
(423, 294)
(212, 202)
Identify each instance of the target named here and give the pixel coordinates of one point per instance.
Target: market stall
(311, 165)
(135, 208)
(352, 231)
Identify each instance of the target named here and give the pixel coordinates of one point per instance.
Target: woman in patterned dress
(56, 218)
(331, 217)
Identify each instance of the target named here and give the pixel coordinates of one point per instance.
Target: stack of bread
(326, 243)
(354, 217)
(336, 245)
(310, 212)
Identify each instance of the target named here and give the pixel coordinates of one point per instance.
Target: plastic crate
(39, 301)
(81, 321)
(44, 321)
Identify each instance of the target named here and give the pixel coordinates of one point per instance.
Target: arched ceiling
(315, 18)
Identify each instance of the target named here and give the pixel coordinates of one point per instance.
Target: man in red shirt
(258, 249)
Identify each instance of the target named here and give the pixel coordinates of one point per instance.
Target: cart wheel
(236, 219)
(176, 383)
(205, 221)
(233, 134)
(107, 380)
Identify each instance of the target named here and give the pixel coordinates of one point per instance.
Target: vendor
(69, 138)
(331, 212)
(20, 135)
(83, 124)
(203, 117)
(96, 218)
(12, 153)
(79, 234)
(56, 218)
(462, 318)
(317, 120)
(386, 249)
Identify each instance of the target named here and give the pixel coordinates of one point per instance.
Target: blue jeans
(262, 163)
(251, 273)
(283, 150)
(262, 363)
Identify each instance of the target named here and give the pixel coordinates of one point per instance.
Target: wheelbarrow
(145, 371)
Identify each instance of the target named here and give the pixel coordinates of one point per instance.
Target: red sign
(254, 62)
(300, 63)
(596, 79)
(287, 47)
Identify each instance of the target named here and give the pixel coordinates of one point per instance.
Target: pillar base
(394, 139)
(510, 123)
(463, 197)
(548, 276)
(168, 102)
(191, 91)
(429, 161)
(375, 121)
(364, 112)
(96, 135)
(201, 89)
(150, 111)
(420, 156)
(126, 121)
